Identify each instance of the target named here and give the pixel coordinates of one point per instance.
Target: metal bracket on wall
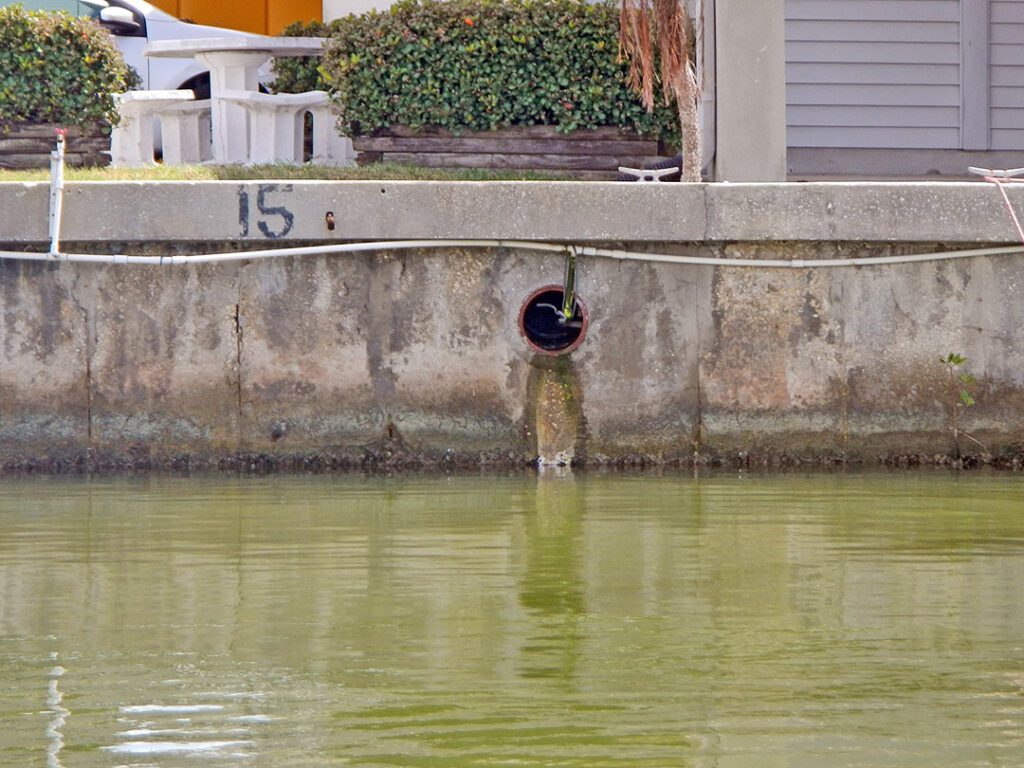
(569, 286)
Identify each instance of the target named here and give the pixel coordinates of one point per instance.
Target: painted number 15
(273, 221)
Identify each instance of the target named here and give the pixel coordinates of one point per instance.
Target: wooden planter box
(594, 154)
(24, 145)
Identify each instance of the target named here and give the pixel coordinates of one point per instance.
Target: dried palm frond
(662, 31)
(637, 48)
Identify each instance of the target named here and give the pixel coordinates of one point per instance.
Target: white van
(134, 24)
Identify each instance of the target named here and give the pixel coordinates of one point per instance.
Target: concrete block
(593, 212)
(861, 211)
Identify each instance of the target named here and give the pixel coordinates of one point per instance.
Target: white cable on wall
(610, 253)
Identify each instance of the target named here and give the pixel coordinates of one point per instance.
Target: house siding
(873, 73)
(1006, 87)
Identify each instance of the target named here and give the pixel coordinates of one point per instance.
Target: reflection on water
(551, 589)
(55, 701)
(590, 620)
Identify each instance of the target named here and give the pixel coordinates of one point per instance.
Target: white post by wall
(750, 41)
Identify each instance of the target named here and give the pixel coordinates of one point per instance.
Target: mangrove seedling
(960, 384)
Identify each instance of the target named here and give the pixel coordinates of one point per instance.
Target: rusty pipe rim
(531, 301)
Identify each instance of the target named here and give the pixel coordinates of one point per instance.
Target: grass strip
(307, 172)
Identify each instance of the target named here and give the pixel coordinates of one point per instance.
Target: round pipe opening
(544, 328)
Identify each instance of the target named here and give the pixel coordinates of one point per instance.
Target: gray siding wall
(875, 73)
(1007, 74)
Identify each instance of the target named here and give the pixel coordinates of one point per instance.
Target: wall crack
(89, 330)
(236, 318)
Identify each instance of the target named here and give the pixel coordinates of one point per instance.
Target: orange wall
(268, 17)
(282, 13)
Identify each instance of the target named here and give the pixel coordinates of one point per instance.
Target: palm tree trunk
(688, 101)
(689, 121)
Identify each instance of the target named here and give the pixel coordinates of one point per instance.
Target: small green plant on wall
(960, 385)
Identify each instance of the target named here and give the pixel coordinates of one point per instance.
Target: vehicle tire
(199, 85)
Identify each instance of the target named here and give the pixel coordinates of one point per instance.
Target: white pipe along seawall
(609, 253)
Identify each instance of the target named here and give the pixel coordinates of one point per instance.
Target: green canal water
(595, 620)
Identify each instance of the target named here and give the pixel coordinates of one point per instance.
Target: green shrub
(479, 65)
(57, 69)
(296, 74)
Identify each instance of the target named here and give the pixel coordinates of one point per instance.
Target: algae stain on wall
(557, 408)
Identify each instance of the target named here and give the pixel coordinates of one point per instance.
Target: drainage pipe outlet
(545, 326)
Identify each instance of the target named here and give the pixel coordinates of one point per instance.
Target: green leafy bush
(55, 68)
(478, 65)
(297, 74)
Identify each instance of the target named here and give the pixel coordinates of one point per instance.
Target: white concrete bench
(330, 147)
(186, 132)
(277, 127)
(133, 139)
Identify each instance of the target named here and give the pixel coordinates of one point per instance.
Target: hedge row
(57, 69)
(477, 65)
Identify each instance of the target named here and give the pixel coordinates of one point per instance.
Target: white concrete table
(233, 65)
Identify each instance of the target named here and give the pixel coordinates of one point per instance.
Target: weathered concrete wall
(849, 358)
(420, 352)
(301, 356)
(417, 354)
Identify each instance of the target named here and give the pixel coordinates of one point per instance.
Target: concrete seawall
(417, 355)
